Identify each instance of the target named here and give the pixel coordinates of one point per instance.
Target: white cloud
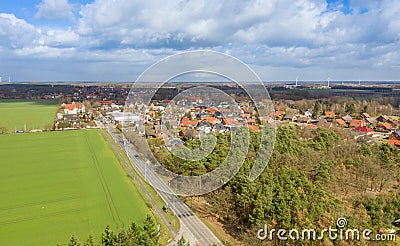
(15, 33)
(194, 23)
(282, 35)
(55, 10)
(60, 38)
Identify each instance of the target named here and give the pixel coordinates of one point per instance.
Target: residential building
(358, 123)
(384, 127)
(365, 116)
(279, 114)
(383, 118)
(370, 120)
(74, 108)
(324, 123)
(309, 113)
(339, 122)
(303, 119)
(363, 129)
(347, 118)
(289, 117)
(395, 135)
(329, 114)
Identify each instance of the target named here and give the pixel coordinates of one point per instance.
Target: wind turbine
(9, 79)
(0, 78)
(359, 82)
(328, 80)
(296, 81)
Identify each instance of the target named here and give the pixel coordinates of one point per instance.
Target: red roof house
(311, 127)
(384, 127)
(339, 122)
(358, 123)
(363, 129)
(279, 114)
(394, 142)
(329, 113)
(253, 127)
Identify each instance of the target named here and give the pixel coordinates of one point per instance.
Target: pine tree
(133, 234)
(122, 238)
(182, 242)
(108, 237)
(89, 241)
(73, 241)
(150, 230)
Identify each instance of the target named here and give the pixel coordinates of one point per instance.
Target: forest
(313, 178)
(147, 235)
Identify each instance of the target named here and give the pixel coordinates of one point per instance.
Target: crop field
(34, 114)
(57, 184)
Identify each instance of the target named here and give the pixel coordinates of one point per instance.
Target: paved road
(192, 228)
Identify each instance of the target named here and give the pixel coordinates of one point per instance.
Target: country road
(192, 228)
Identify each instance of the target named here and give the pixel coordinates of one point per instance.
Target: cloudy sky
(115, 40)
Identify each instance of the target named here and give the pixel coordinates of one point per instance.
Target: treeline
(148, 235)
(313, 178)
(340, 105)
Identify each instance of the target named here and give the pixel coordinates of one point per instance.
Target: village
(360, 161)
(80, 105)
(199, 118)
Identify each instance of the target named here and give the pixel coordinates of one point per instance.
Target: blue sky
(115, 40)
(341, 5)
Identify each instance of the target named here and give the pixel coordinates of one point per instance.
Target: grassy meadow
(56, 184)
(34, 114)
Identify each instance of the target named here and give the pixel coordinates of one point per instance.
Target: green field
(37, 114)
(56, 184)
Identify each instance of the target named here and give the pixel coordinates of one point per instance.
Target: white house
(74, 108)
